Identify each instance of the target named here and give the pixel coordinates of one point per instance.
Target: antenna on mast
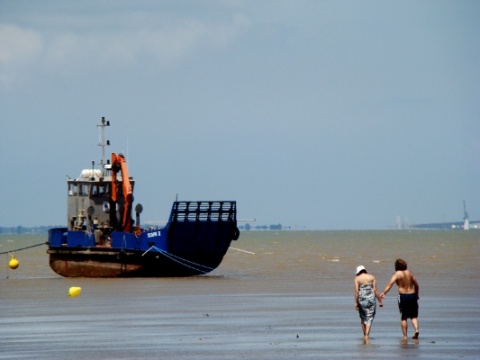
(103, 143)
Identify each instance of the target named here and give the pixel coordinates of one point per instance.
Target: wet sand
(290, 296)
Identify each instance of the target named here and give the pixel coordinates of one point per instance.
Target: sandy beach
(276, 296)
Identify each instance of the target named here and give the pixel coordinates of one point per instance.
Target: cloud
(109, 48)
(19, 49)
(168, 45)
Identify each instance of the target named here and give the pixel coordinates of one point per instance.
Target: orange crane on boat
(119, 164)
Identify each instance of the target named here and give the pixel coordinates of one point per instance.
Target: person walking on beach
(408, 297)
(365, 299)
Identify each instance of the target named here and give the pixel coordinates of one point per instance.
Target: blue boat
(103, 240)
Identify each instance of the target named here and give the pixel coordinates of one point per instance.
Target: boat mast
(103, 143)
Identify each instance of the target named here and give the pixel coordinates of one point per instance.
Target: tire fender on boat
(236, 234)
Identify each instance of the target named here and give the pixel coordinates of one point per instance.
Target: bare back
(365, 279)
(406, 282)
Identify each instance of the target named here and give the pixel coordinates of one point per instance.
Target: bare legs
(415, 326)
(404, 325)
(366, 331)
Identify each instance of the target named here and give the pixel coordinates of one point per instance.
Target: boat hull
(96, 263)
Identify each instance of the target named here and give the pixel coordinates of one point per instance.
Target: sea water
(276, 295)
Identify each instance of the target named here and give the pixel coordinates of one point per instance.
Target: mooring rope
(181, 261)
(24, 248)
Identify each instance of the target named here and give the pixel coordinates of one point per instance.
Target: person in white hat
(366, 295)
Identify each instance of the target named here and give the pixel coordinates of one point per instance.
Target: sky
(311, 114)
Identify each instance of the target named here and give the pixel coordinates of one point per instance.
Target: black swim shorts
(408, 306)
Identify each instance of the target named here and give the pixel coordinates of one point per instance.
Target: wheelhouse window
(78, 189)
(83, 189)
(100, 190)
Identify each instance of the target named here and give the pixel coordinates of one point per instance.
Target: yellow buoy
(74, 291)
(13, 264)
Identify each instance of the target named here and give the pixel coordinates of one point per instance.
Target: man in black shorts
(408, 297)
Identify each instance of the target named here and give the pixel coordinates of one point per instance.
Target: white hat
(360, 268)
